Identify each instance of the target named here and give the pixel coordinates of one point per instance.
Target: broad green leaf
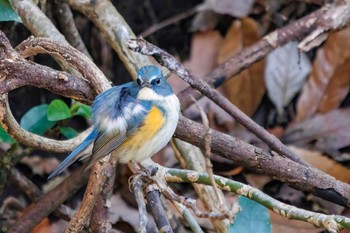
(253, 217)
(58, 110)
(7, 13)
(35, 120)
(84, 111)
(68, 132)
(5, 137)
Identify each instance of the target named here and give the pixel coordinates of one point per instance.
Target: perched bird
(134, 120)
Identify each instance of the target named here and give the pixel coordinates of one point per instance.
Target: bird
(134, 120)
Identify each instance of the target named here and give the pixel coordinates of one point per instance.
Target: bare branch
(156, 207)
(65, 18)
(38, 211)
(296, 175)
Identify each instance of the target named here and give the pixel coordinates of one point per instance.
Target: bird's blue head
(152, 83)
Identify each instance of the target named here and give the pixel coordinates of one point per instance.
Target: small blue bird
(134, 120)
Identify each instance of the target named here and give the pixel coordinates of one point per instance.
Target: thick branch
(114, 28)
(72, 56)
(36, 22)
(65, 18)
(38, 211)
(156, 207)
(294, 174)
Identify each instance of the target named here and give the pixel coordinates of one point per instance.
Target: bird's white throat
(148, 94)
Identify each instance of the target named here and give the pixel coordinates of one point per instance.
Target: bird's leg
(134, 167)
(138, 168)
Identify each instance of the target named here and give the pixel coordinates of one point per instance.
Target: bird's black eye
(138, 81)
(157, 81)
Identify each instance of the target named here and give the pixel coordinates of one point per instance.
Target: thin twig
(207, 154)
(156, 27)
(188, 217)
(156, 207)
(137, 187)
(190, 203)
(65, 18)
(332, 223)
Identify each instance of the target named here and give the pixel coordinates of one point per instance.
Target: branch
(333, 223)
(114, 28)
(137, 187)
(10, 124)
(36, 21)
(156, 207)
(188, 217)
(99, 221)
(75, 58)
(296, 175)
(65, 18)
(38, 211)
(35, 194)
(165, 59)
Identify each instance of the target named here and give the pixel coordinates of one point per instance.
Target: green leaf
(68, 132)
(35, 120)
(58, 110)
(7, 13)
(253, 217)
(5, 137)
(84, 111)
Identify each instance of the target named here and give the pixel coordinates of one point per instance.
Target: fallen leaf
(285, 73)
(328, 84)
(236, 8)
(204, 21)
(246, 89)
(43, 227)
(329, 132)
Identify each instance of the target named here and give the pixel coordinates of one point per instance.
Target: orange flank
(152, 124)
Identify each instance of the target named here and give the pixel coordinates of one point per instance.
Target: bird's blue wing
(116, 126)
(75, 155)
(116, 114)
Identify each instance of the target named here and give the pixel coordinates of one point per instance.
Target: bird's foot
(138, 168)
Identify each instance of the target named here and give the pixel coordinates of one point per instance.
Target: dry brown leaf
(329, 81)
(236, 8)
(323, 163)
(328, 132)
(43, 227)
(286, 71)
(246, 89)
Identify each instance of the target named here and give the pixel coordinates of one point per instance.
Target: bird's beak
(145, 84)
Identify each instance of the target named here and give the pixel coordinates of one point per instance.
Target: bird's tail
(78, 153)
